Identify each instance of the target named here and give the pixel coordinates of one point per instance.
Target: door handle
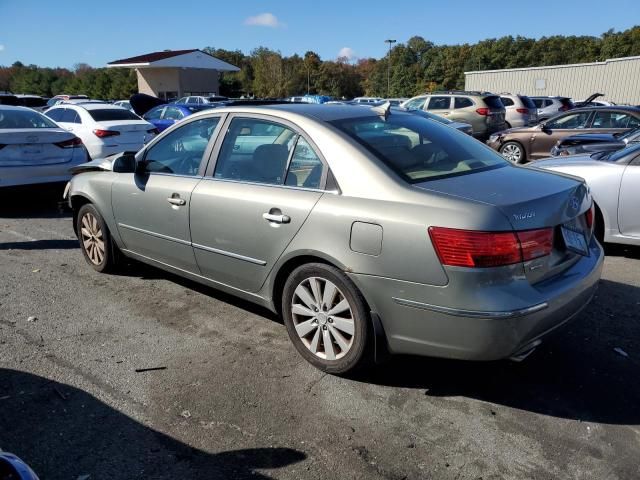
(270, 217)
(176, 200)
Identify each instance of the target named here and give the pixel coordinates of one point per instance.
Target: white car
(104, 129)
(33, 149)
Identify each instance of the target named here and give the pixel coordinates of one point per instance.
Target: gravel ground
(234, 400)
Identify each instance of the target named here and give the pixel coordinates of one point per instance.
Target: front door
(629, 200)
(151, 208)
(267, 180)
(543, 139)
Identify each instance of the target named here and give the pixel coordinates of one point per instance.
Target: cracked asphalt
(232, 398)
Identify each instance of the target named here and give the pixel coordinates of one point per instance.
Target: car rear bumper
(36, 174)
(415, 323)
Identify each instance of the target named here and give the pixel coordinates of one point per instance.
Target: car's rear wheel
(513, 152)
(95, 239)
(327, 318)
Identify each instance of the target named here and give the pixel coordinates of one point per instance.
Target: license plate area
(575, 240)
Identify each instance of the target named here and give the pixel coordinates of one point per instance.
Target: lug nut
(330, 320)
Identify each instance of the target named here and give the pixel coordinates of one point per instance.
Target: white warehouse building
(618, 79)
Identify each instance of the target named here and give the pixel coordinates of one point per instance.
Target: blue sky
(63, 33)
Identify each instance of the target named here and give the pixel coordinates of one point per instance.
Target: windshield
(617, 155)
(417, 149)
(111, 114)
(24, 119)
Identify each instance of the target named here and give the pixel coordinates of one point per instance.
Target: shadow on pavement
(619, 250)
(33, 201)
(41, 245)
(575, 374)
(65, 433)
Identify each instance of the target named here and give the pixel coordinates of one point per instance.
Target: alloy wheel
(512, 152)
(92, 238)
(323, 318)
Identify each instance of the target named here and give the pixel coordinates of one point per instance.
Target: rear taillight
(482, 111)
(588, 216)
(73, 142)
(466, 248)
(155, 131)
(522, 110)
(105, 133)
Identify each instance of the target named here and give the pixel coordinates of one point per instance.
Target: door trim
(237, 256)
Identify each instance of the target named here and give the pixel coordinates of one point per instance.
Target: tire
(310, 324)
(95, 240)
(508, 125)
(514, 152)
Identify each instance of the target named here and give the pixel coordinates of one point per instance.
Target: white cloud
(347, 52)
(264, 20)
(1, 47)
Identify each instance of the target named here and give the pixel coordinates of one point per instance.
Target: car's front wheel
(95, 240)
(513, 152)
(327, 318)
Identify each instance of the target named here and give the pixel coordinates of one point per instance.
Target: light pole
(390, 42)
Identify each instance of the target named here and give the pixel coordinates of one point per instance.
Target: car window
(462, 102)
(610, 120)
(172, 113)
(506, 101)
(70, 116)
(571, 120)
(154, 113)
(305, 169)
(24, 119)
(111, 114)
(416, 103)
(537, 102)
(634, 122)
(55, 113)
(439, 103)
(255, 150)
(419, 150)
(180, 152)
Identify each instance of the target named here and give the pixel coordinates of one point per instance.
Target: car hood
(98, 165)
(142, 103)
(529, 198)
(569, 160)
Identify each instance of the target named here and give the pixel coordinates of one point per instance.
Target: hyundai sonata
(367, 229)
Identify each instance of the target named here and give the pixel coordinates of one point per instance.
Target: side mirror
(125, 163)
(544, 127)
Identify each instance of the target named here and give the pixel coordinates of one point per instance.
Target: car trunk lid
(531, 200)
(27, 147)
(130, 131)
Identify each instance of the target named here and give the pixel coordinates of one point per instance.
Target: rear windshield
(527, 102)
(566, 102)
(24, 119)
(493, 101)
(418, 149)
(111, 114)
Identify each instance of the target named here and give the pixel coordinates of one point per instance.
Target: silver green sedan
(369, 230)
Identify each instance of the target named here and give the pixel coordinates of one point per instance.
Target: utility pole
(390, 42)
(308, 78)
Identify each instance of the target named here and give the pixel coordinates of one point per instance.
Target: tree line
(416, 66)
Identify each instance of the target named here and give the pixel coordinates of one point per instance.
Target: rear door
(440, 105)
(151, 208)
(629, 200)
(611, 121)
(253, 202)
(570, 123)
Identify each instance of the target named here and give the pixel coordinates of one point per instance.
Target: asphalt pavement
(144, 375)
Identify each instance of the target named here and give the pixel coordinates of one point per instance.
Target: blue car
(163, 116)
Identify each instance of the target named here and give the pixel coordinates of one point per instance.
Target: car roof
(15, 107)
(323, 112)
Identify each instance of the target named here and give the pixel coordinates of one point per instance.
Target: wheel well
(524, 151)
(77, 202)
(284, 272)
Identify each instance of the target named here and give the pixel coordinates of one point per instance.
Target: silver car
(368, 230)
(34, 149)
(548, 107)
(613, 178)
(520, 110)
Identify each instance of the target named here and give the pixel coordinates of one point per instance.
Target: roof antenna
(383, 110)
